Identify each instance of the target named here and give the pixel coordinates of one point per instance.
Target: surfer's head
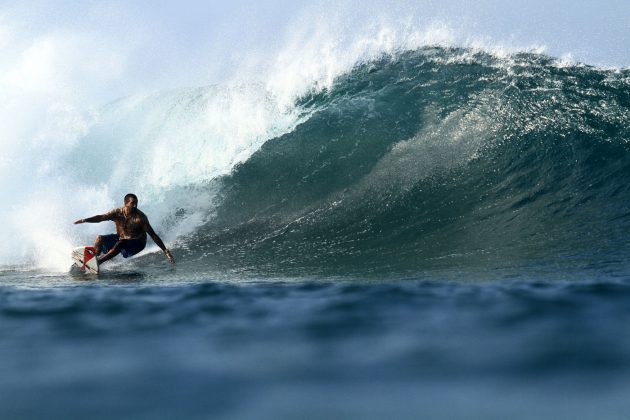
(131, 201)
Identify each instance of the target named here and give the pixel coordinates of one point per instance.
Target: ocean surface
(441, 233)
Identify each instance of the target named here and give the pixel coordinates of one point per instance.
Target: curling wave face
(435, 158)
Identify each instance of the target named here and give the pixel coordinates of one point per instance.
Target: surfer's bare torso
(130, 225)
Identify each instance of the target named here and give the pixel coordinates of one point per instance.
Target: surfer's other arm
(94, 219)
(158, 241)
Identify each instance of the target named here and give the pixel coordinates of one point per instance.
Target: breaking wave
(414, 160)
(439, 157)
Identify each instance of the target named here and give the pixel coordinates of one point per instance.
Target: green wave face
(437, 158)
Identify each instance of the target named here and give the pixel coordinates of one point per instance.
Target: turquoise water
(433, 159)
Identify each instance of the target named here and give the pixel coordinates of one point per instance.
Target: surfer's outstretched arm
(94, 219)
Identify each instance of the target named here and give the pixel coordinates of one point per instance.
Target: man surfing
(132, 227)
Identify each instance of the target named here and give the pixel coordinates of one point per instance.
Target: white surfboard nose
(85, 258)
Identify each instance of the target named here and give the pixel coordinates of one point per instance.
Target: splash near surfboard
(85, 259)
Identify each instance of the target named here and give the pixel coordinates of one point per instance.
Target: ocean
(440, 233)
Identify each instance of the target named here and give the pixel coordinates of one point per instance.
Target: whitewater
(392, 219)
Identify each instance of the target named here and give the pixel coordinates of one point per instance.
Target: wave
(439, 157)
(413, 160)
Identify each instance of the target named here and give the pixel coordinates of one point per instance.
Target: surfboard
(85, 259)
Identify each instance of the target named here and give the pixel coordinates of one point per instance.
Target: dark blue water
(444, 236)
(427, 348)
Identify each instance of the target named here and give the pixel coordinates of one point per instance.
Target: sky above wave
(117, 48)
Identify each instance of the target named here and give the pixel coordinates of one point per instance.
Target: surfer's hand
(169, 255)
(78, 222)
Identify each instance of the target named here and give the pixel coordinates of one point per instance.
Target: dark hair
(129, 197)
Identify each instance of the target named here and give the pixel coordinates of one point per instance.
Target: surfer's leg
(97, 244)
(111, 254)
(105, 243)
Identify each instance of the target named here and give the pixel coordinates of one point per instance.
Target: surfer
(132, 227)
